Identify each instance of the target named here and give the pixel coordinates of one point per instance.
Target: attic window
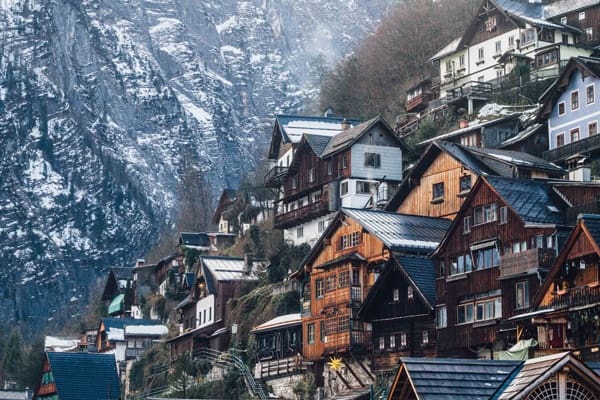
(582, 15)
(372, 160)
(437, 192)
(563, 20)
(553, 209)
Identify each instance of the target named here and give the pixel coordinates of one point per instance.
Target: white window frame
(381, 343)
(571, 100)
(590, 124)
(594, 94)
(467, 224)
(526, 297)
(480, 54)
(410, 292)
(403, 339)
(396, 294)
(392, 341)
(441, 317)
(563, 20)
(503, 215)
(571, 132)
(563, 134)
(581, 15)
(564, 105)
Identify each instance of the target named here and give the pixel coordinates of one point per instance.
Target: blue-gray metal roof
(592, 223)
(465, 157)
(229, 268)
(534, 201)
(562, 7)
(87, 376)
(294, 126)
(594, 366)
(402, 232)
(346, 137)
(120, 323)
(516, 158)
(458, 379)
(194, 239)
(421, 271)
(522, 8)
(317, 143)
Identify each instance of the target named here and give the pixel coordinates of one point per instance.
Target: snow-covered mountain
(106, 104)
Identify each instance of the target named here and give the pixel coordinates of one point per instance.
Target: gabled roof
(229, 268)
(401, 232)
(290, 128)
(587, 225)
(450, 48)
(194, 239)
(514, 158)
(121, 323)
(282, 321)
(449, 378)
(348, 137)
(537, 370)
(122, 273)
(587, 66)
(85, 375)
(421, 273)
(562, 7)
(228, 195)
(317, 143)
(470, 128)
(534, 201)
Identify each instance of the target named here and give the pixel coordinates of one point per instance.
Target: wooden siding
(388, 358)
(592, 20)
(454, 339)
(443, 169)
(481, 34)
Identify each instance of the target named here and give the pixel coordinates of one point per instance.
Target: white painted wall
(391, 162)
(205, 311)
(312, 230)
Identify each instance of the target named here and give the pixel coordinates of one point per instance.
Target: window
(480, 54)
(488, 309)
(381, 342)
(294, 182)
(574, 135)
(319, 289)
(403, 339)
(372, 160)
(464, 313)
(355, 277)
(511, 42)
(464, 183)
(582, 15)
(441, 317)
(484, 214)
(344, 188)
(589, 34)
(410, 292)
(321, 226)
(392, 342)
(560, 139)
(330, 283)
(300, 232)
(442, 270)
(310, 333)
(396, 294)
(487, 257)
(448, 67)
(311, 174)
(344, 279)
(461, 61)
(548, 58)
(438, 191)
(322, 334)
(498, 73)
(503, 215)
(343, 324)
(589, 94)
(527, 36)
(363, 187)
(461, 264)
(519, 246)
(498, 47)
(561, 108)
(522, 294)
(563, 20)
(575, 100)
(425, 339)
(593, 128)
(351, 240)
(565, 39)
(467, 224)
(329, 167)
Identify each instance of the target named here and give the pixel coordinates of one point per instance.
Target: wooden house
(223, 213)
(560, 376)
(79, 375)
(351, 166)
(338, 275)
(505, 235)
(565, 313)
(439, 182)
(111, 334)
(572, 112)
(418, 96)
(278, 346)
(507, 41)
(202, 312)
(581, 14)
(198, 241)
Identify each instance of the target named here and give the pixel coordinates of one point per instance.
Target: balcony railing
(525, 261)
(470, 89)
(418, 102)
(313, 210)
(584, 145)
(274, 177)
(575, 297)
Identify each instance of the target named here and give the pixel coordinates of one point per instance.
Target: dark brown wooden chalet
(202, 312)
(400, 307)
(441, 179)
(583, 15)
(338, 275)
(565, 314)
(223, 213)
(419, 96)
(490, 263)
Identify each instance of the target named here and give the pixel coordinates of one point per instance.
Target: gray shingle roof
(532, 200)
(445, 378)
(122, 273)
(521, 8)
(317, 143)
(592, 223)
(421, 271)
(402, 232)
(346, 137)
(85, 375)
(517, 158)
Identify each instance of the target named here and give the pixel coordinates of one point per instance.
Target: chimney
(248, 262)
(345, 124)
(578, 170)
(140, 262)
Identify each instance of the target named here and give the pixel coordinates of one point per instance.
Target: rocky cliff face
(106, 104)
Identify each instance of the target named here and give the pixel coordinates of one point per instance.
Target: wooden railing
(273, 178)
(584, 145)
(299, 215)
(472, 88)
(575, 297)
(529, 260)
(271, 368)
(420, 101)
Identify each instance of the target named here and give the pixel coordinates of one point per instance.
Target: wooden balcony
(418, 103)
(526, 261)
(274, 178)
(472, 89)
(587, 145)
(355, 341)
(575, 297)
(298, 216)
(277, 367)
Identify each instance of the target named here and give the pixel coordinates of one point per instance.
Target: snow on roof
(277, 322)
(295, 129)
(116, 334)
(56, 343)
(146, 330)
(230, 268)
(566, 6)
(449, 49)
